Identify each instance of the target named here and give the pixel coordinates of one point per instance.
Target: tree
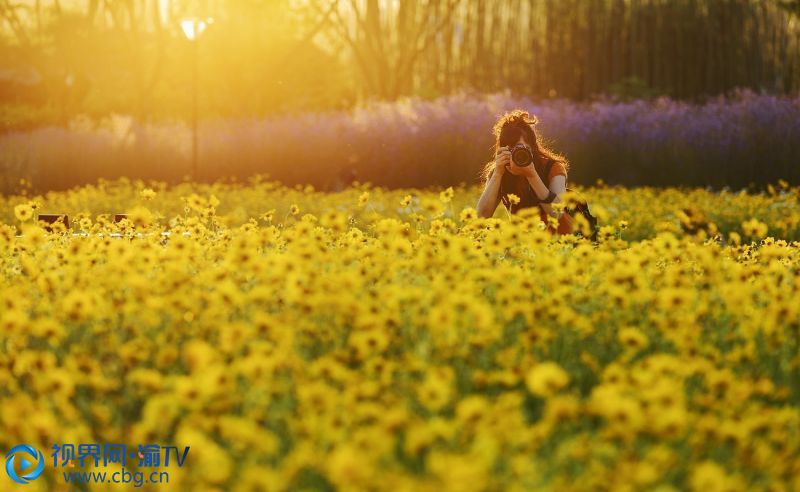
(385, 39)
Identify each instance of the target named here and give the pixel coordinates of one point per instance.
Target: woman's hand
(526, 171)
(502, 161)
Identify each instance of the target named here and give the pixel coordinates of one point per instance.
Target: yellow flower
(447, 195)
(753, 228)
(670, 422)
(710, 477)
(13, 322)
(457, 471)
(246, 435)
(514, 199)
(145, 380)
(622, 412)
(632, 338)
(268, 215)
(419, 437)
(147, 194)
(368, 342)
(436, 390)
(49, 329)
(78, 306)
(58, 382)
(140, 217)
(349, 468)
(198, 354)
(294, 209)
(561, 408)
(468, 214)
(190, 392)
(546, 378)
(214, 465)
(471, 409)
(327, 348)
(363, 198)
(23, 212)
(255, 477)
(33, 362)
(672, 298)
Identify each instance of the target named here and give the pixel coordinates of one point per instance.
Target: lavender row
(728, 141)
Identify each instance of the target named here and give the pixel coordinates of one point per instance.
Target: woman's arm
(558, 185)
(490, 197)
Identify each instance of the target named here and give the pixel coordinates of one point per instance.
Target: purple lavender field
(732, 141)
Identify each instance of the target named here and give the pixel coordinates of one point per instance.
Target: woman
(503, 177)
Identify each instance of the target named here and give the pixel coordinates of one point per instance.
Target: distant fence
(746, 138)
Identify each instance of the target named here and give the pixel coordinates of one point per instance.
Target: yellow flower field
(390, 340)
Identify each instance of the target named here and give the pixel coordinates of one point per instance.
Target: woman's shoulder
(557, 168)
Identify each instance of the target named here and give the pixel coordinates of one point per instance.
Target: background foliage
(97, 57)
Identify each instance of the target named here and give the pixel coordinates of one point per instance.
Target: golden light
(193, 27)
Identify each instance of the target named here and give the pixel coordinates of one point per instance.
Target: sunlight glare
(194, 27)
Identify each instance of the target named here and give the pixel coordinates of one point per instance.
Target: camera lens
(521, 156)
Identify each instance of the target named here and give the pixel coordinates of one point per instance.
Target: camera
(521, 156)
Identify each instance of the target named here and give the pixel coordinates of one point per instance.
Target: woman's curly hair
(507, 131)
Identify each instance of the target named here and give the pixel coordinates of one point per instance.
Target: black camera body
(521, 155)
